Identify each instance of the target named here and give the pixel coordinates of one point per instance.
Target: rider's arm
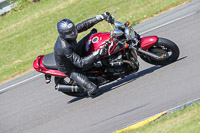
(81, 62)
(85, 25)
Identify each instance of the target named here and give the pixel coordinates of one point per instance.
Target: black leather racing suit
(68, 59)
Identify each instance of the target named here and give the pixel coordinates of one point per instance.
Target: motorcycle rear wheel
(164, 48)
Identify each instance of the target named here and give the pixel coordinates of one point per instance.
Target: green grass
(184, 121)
(27, 33)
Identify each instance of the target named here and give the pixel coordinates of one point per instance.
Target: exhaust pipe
(68, 88)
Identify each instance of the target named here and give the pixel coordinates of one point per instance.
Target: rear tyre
(165, 48)
(59, 80)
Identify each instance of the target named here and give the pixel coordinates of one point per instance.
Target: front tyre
(166, 49)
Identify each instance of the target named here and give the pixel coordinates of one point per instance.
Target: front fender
(147, 42)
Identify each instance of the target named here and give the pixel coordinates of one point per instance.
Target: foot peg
(47, 78)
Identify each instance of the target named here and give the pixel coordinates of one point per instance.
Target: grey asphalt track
(33, 107)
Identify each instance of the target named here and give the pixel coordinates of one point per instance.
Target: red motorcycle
(123, 46)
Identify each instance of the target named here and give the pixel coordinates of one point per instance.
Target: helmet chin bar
(69, 37)
(72, 35)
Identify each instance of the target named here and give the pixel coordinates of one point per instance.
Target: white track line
(5, 89)
(169, 22)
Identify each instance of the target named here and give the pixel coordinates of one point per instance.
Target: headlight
(129, 33)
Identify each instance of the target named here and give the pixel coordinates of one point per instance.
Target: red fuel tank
(95, 41)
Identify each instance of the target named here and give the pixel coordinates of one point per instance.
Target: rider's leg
(84, 82)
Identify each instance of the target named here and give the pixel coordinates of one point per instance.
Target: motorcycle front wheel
(166, 49)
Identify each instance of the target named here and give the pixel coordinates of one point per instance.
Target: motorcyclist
(67, 51)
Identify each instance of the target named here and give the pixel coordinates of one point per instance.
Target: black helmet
(67, 29)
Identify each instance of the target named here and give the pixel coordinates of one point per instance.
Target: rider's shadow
(115, 84)
(126, 80)
(130, 78)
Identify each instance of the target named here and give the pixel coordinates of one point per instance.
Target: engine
(120, 65)
(115, 65)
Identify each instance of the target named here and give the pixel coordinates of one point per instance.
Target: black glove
(108, 17)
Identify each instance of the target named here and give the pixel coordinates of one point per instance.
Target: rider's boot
(91, 88)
